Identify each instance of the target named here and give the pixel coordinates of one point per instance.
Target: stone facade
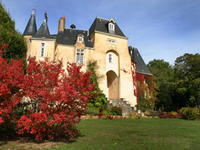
(109, 49)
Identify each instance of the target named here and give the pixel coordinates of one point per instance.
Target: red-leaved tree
(56, 99)
(11, 79)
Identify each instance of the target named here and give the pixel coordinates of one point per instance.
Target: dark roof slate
(141, 67)
(69, 37)
(43, 30)
(101, 25)
(31, 27)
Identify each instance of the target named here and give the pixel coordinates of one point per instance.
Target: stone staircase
(127, 109)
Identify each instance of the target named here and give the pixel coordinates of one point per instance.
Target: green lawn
(142, 134)
(127, 134)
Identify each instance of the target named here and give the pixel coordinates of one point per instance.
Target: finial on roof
(33, 11)
(73, 26)
(45, 16)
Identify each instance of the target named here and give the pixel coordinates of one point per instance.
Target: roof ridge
(102, 18)
(76, 29)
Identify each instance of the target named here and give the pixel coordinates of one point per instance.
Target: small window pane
(80, 56)
(110, 58)
(42, 50)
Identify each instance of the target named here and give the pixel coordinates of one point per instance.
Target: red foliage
(11, 79)
(109, 117)
(134, 76)
(54, 99)
(169, 115)
(57, 100)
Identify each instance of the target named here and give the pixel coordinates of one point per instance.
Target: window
(42, 50)
(80, 56)
(111, 27)
(110, 58)
(80, 39)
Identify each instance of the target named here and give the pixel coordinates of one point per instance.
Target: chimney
(61, 25)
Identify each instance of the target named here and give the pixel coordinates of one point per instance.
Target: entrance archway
(113, 85)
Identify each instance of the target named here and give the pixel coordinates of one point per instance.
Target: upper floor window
(110, 58)
(111, 27)
(42, 51)
(80, 56)
(80, 39)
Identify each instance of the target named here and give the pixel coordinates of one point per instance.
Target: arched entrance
(113, 85)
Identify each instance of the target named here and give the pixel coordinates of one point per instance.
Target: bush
(134, 115)
(116, 111)
(144, 104)
(11, 80)
(169, 115)
(190, 113)
(57, 100)
(53, 101)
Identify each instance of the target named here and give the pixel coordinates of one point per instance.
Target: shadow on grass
(11, 136)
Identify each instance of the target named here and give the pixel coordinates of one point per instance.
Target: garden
(69, 111)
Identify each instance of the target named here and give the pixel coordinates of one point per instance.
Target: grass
(143, 134)
(128, 134)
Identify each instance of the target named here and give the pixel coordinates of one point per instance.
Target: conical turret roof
(31, 27)
(43, 30)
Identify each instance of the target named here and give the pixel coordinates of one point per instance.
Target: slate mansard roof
(69, 37)
(141, 67)
(101, 24)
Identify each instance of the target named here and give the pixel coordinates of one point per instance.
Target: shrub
(190, 113)
(109, 117)
(169, 115)
(53, 100)
(11, 80)
(134, 115)
(116, 110)
(57, 100)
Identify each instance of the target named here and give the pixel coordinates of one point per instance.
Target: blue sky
(160, 29)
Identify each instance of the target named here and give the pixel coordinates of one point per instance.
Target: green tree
(100, 101)
(187, 80)
(16, 44)
(163, 78)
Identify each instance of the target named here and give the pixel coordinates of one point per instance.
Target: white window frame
(80, 39)
(80, 56)
(42, 50)
(111, 26)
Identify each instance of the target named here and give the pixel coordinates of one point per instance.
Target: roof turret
(31, 27)
(43, 30)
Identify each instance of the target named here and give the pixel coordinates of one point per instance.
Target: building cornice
(43, 38)
(113, 35)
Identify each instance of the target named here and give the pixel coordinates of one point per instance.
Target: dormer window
(80, 39)
(111, 27)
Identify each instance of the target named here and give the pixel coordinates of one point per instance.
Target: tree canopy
(187, 80)
(16, 44)
(163, 76)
